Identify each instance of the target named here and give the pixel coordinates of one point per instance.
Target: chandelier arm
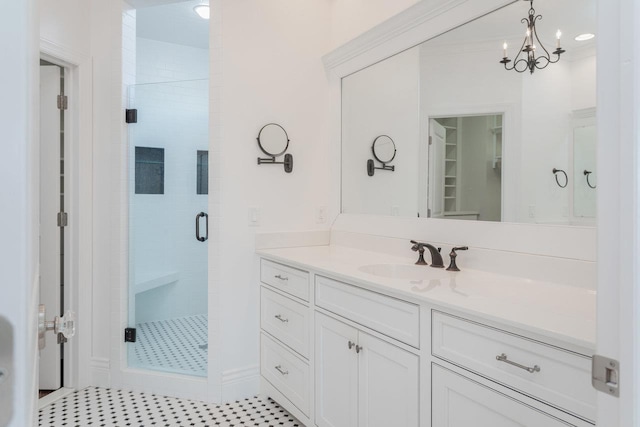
(547, 55)
(521, 61)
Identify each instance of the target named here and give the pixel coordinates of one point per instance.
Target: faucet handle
(452, 265)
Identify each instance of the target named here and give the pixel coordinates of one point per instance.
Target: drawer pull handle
(280, 318)
(281, 277)
(282, 371)
(503, 358)
(351, 344)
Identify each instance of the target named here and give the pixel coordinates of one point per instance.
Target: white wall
(351, 18)
(381, 100)
(167, 62)
(271, 71)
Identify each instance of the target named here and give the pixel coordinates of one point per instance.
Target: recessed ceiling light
(584, 37)
(202, 10)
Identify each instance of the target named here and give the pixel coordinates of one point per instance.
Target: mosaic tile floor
(115, 408)
(175, 345)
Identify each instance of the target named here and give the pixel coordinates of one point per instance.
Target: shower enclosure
(168, 227)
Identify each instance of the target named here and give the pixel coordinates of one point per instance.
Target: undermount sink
(403, 271)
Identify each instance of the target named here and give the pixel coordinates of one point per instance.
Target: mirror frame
(286, 135)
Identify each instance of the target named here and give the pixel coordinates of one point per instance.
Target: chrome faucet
(436, 258)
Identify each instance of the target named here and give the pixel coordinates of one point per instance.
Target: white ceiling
(171, 21)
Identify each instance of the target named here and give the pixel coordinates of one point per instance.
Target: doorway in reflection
(465, 167)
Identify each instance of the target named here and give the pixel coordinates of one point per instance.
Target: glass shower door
(168, 227)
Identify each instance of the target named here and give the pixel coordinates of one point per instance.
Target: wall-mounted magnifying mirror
(384, 151)
(274, 142)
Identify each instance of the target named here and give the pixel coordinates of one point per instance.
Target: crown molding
(422, 21)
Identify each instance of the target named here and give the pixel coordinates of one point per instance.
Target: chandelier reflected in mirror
(532, 55)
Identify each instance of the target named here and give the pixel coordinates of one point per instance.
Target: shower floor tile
(176, 345)
(114, 408)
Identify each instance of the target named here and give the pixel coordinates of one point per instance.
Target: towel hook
(586, 174)
(566, 178)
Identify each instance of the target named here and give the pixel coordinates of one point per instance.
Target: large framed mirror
(475, 141)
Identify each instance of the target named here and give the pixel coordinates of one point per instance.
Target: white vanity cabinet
(362, 380)
(343, 353)
(285, 337)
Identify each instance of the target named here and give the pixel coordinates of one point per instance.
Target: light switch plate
(321, 215)
(254, 217)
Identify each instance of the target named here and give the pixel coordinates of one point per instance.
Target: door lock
(64, 326)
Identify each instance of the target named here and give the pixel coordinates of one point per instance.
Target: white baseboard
(240, 383)
(100, 372)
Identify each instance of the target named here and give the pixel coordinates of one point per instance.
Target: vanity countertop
(559, 312)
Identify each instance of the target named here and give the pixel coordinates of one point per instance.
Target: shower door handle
(206, 217)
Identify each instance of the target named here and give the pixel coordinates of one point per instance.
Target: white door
(437, 137)
(460, 402)
(388, 384)
(50, 280)
(336, 373)
(19, 212)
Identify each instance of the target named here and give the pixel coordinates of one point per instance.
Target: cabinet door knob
(351, 344)
(282, 371)
(359, 348)
(280, 318)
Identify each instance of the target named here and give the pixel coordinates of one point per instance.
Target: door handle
(65, 325)
(206, 217)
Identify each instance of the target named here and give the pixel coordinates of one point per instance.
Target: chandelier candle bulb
(504, 49)
(558, 35)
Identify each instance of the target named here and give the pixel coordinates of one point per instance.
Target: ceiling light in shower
(584, 37)
(202, 10)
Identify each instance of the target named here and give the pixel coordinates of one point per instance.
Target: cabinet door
(388, 384)
(336, 374)
(460, 402)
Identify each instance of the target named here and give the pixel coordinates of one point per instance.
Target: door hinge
(131, 115)
(605, 375)
(63, 102)
(129, 334)
(63, 219)
(430, 140)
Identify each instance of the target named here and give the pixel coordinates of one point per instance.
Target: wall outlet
(254, 217)
(321, 215)
(532, 211)
(395, 210)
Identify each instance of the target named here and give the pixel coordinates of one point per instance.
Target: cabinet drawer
(563, 379)
(457, 401)
(287, 279)
(286, 372)
(286, 320)
(390, 316)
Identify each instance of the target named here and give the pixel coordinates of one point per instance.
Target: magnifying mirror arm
(288, 162)
(371, 167)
